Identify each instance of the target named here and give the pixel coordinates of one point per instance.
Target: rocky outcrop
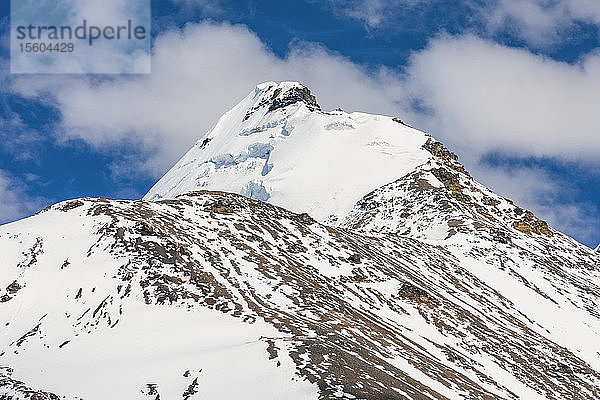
(281, 98)
(411, 292)
(439, 150)
(13, 288)
(531, 224)
(12, 389)
(450, 180)
(447, 157)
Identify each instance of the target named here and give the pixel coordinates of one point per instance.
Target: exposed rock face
(449, 179)
(296, 94)
(409, 291)
(13, 288)
(439, 150)
(522, 226)
(283, 95)
(12, 389)
(530, 224)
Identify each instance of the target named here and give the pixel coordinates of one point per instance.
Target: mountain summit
(277, 145)
(296, 253)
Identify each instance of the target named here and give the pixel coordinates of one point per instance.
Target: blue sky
(509, 84)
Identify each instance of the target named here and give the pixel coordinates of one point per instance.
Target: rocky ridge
(360, 316)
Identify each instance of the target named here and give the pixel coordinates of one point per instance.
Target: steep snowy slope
(83, 316)
(214, 295)
(440, 204)
(277, 145)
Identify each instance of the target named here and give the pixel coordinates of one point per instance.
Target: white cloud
(482, 96)
(198, 74)
(539, 22)
(373, 13)
(487, 97)
(14, 202)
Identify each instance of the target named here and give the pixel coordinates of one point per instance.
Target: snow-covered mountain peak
(273, 96)
(278, 145)
(424, 285)
(598, 248)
